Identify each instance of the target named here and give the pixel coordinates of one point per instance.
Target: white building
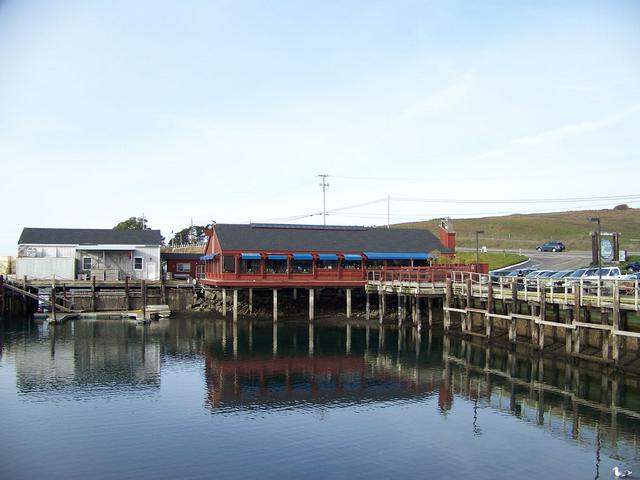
(78, 253)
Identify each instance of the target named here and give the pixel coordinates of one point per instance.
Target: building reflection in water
(81, 358)
(250, 365)
(344, 365)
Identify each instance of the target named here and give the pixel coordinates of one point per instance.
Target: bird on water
(621, 473)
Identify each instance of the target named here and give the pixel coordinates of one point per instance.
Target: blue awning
(302, 256)
(352, 258)
(397, 256)
(250, 256)
(272, 256)
(328, 256)
(210, 256)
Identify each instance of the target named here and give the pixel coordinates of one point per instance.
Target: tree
(190, 235)
(623, 206)
(132, 223)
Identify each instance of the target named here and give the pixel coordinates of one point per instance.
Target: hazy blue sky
(227, 110)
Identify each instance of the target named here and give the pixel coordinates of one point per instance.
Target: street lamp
(597, 219)
(478, 232)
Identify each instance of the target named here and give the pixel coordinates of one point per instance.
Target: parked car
(561, 274)
(581, 272)
(631, 276)
(604, 272)
(530, 279)
(522, 272)
(634, 266)
(558, 279)
(499, 273)
(628, 283)
(495, 276)
(539, 273)
(552, 246)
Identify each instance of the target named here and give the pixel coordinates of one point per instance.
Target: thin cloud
(575, 129)
(442, 100)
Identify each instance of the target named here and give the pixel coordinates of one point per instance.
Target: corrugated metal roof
(329, 239)
(89, 236)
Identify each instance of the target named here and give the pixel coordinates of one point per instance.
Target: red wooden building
(276, 256)
(183, 265)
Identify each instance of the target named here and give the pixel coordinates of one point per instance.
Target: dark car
(634, 267)
(551, 247)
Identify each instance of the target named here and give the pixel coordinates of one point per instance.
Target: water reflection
(260, 365)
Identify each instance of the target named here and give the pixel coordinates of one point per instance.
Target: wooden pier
(586, 319)
(74, 296)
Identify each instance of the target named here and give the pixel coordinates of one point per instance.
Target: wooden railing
(428, 275)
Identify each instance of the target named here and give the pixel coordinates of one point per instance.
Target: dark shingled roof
(312, 238)
(89, 236)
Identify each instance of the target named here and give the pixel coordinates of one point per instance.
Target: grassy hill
(526, 231)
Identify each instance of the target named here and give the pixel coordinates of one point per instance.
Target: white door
(151, 271)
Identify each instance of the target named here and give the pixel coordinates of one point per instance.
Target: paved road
(558, 260)
(551, 260)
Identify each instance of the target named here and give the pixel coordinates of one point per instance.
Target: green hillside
(526, 231)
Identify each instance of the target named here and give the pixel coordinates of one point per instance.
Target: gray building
(79, 253)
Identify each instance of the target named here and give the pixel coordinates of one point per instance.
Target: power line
(531, 200)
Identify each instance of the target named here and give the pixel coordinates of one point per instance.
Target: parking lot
(557, 260)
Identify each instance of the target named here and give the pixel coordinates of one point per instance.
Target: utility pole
(324, 186)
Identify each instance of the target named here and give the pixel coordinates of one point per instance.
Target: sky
(228, 111)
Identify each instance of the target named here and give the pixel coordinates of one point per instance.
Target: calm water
(196, 397)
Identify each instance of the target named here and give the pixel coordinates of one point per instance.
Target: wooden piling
(224, 302)
(576, 318)
(466, 320)
(448, 299)
(143, 291)
(24, 297)
(93, 293)
(543, 317)
(53, 299)
(490, 309)
(568, 333)
(513, 332)
(235, 305)
(348, 302)
(311, 304)
(606, 335)
(163, 290)
(399, 309)
(127, 305)
(380, 306)
(2, 302)
(250, 301)
(275, 305)
(533, 326)
(615, 317)
(430, 313)
(368, 306)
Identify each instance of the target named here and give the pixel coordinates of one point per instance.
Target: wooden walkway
(535, 309)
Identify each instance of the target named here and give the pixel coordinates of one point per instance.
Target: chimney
(447, 234)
